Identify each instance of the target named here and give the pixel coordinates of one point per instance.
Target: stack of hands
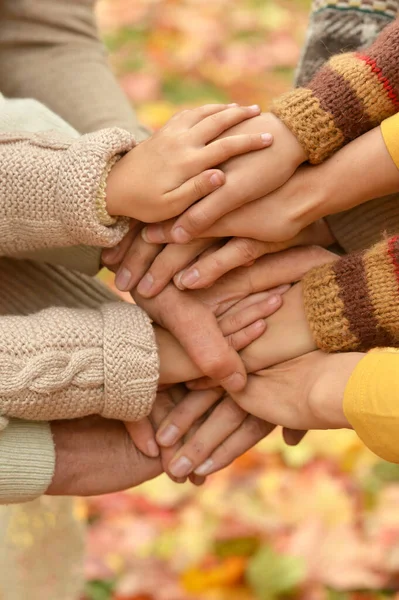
(225, 221)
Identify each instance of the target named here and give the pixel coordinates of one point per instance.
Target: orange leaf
(226, 573)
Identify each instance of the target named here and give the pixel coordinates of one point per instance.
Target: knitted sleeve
(27, 460)
(50, 51)
(52, 189)
(348, 96)
(353, 303)
(63, 363)
(337, 26)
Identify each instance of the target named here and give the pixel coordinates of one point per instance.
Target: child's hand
(248, 178)
(164, 175)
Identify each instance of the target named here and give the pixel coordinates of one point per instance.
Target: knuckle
(224, 148)
(256, 428)
(247, 248)
(216, 117)
(197, 448)
(196, 219)
(233, 413)
(215, 367)
(199, 187)
(235, 321)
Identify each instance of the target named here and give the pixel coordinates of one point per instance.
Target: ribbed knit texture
(334, 28)
(43, 45)
(68, 345)
(65, 362)
(353, 303)
(21, 482)
(348, 96)
(49, 189)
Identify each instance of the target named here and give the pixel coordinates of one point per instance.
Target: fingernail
(153, 234)
(216, 179)
(145, 284)
(232, 104)
(205, 468)
(182, 467)
(180, 235)
(234, 383)
(110, 254)
(122, 279)
(152, 448)
(189, 277)
(144, 235)
(254, 108)
(258, 324)
(168, 436)
(273, 300)
(267, 138)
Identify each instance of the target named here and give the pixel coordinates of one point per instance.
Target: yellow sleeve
(390, 133)
(371, 402)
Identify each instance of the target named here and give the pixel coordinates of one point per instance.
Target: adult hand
(96, 456)
(214, 433)
(248, 177)
(194, 324)
(304, 393)
(238, 252)
(266, 273)
(212, 258)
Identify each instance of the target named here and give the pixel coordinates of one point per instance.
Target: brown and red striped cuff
(353, 303)
(350, 95)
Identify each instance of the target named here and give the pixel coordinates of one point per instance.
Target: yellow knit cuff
(390, 133)
(101, 200)
(371, 403)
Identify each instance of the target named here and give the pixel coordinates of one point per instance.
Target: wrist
(115, 187)
(297, 152)
(326, 396)
(175, 366)
(316, 187)
(372, 174)
(65, 469)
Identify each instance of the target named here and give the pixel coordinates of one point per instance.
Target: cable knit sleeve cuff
(27, 461)
(131, 364)
(350, 95)
(81, 187)
(352, 304)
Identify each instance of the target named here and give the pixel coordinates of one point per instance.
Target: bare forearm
(359, 172)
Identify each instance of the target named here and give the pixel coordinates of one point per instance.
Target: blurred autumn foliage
(316, 522)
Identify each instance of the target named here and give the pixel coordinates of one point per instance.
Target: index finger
(268, 271)
(196, 328)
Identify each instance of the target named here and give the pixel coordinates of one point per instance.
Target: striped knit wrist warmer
(350, 95)
(353, 303)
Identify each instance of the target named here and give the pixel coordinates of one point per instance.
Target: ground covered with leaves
(316, 522)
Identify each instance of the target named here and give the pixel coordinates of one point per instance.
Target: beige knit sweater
(41, 44)
(67, 349)
(86, 356)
